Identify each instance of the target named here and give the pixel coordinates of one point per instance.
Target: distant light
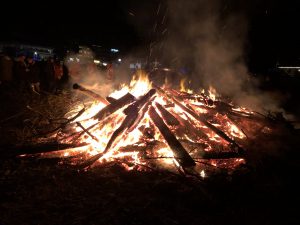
(35, 53)
(114, 50)
(97, 61)
(71, 59)
(202, 174)
(77, 59)
(289, 67)
(104, 64)
(119, 60)
(166, 69)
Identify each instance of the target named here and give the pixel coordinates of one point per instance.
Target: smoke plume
(210, 37)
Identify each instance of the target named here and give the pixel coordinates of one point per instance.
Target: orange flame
(140, 85)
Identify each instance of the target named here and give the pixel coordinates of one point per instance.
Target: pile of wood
(187, 132)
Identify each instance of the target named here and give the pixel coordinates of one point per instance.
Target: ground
(43, 191)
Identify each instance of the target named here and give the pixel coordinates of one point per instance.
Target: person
(33, 75)
(110, 72)
(58, 73)
(49, 75)
(20, 72)
(6, 69)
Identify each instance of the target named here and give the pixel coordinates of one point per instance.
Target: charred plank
(90, 93)
(180, 153)
(28, 149)
(167, 116)
(114, 106)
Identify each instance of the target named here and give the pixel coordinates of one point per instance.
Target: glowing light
(212, 93)
(183, 88)
(97, 61)
(289, 67)
(140, 84)
(119, 60)
(202, 174)
(114, 50)
(104, 64)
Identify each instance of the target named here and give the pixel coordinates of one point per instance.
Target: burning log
(190, 129)
(114, 106)
(169, 105)
(90, 93)
(143, 147)
(86, 131)
(40, 148)
(201, 119)
(137, 105)
(167, 116)
(141, 115)
(180, 153)
(132, 113)
(110, 99)
(64, 124)
(220, 155)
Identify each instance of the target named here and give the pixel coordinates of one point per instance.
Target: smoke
(210, 36)
(83, 70)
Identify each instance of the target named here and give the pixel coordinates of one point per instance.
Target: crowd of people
(27, 74)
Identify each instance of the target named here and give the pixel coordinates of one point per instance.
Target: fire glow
(149, 127)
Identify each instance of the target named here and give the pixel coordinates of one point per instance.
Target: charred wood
(189, 129)
(184, 158)
(167, 116)
(220, 155)
(141, 115)
(110, 99)
(87, 131)
(39, 148)
(64, 124)
(132, 113)
(169, 105)
(202, 120)
(114, 106)
(90, 93)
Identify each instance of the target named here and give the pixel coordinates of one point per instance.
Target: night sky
(273, 25)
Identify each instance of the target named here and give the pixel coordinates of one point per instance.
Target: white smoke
(210, 38)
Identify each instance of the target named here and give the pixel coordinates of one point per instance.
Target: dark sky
(273, 25)
(105, 23)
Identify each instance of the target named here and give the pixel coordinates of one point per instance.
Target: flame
(212, 93)
(183, 88)
(235, 131)
(202, 174)
(140, 85)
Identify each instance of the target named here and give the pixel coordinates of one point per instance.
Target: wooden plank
(180, 153)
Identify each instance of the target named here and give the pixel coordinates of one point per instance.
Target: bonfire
(143, 126)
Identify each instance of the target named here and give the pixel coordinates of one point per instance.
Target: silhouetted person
(6, 69)
(20, 72)
(33, 74)
(49, 75)
(58, 73)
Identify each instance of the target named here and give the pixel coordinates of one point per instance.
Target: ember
(143, 126)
